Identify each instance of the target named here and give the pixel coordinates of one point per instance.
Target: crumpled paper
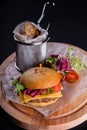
(70, 91)
(24, 39)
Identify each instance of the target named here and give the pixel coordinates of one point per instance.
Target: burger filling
(33, 93)
(37, 95)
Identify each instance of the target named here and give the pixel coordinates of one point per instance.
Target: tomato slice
(72, 76)
(57, 88)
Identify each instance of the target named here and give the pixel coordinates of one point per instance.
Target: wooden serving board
(71, 115)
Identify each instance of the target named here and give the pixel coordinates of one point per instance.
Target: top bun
(34, 79)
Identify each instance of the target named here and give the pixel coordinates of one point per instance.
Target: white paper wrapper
(25, 39)
(70, 91)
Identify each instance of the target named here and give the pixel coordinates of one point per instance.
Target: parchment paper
(24, 39)
(70, 91)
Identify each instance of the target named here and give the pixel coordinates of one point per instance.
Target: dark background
(68, 25)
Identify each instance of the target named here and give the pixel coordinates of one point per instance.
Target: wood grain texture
(71, 115)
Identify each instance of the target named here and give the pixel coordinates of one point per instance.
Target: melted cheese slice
(26, 98)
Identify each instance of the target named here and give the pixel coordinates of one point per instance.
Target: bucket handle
(45, 12)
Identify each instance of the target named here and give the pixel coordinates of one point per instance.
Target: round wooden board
(71, 115)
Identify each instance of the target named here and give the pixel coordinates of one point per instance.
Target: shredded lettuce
(50, 61)
(75, 61)
(50, 90)
(18, 85)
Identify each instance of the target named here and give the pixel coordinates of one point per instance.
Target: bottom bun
(42, 103)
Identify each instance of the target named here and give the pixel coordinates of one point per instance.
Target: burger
(39, 87)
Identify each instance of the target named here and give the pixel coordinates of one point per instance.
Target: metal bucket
(28, 56)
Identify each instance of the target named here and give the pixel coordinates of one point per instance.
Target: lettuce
(18, 85)
(75, 60)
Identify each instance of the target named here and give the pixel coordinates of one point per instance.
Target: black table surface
(68, 24)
